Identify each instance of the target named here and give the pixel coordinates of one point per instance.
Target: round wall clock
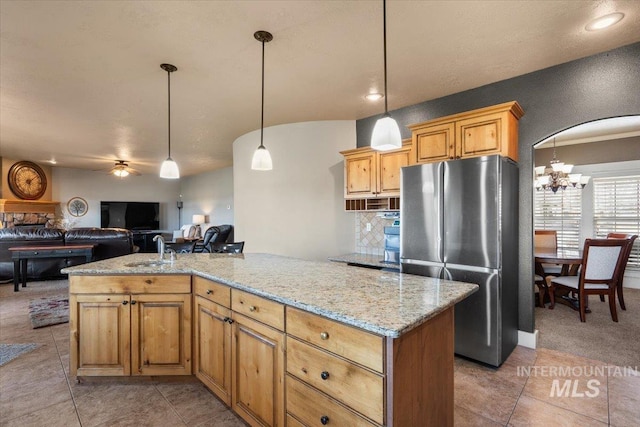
(27, 180)
(77, 206)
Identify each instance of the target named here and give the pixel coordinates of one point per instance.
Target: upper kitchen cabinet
(482, 132)
(370, 173)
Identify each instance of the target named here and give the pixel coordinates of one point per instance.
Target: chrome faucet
(158, 238)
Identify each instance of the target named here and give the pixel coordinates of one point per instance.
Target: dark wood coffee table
(22, 254)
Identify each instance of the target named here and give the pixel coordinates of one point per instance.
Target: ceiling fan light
(169, 169)
(120, 172)
(261, 160)
(386, 134)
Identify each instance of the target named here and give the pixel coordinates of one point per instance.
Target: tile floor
(36, 390)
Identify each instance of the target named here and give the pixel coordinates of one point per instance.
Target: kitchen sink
(150, 263)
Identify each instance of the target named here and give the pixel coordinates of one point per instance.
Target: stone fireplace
(16, 213)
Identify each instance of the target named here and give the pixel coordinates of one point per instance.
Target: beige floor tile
(62, 414)
(193, 402)
(624, 400)
(152, 417)
(21, 400)
(466, 418)
(533, 412)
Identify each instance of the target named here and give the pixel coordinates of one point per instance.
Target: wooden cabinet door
(102, 345)
(161, 334)
(480, 136)
(258, 372)
(435, 143)
(213, 347)
(360, 178)
(389, 164)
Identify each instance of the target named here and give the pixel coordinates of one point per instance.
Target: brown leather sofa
(110, 242)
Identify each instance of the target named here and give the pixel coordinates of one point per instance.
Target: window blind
(560, 211)
(616, 209)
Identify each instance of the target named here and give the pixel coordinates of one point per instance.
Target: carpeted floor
(49, 311)
(8, 352)
(599, 338)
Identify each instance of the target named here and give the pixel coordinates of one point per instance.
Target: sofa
(110, 242)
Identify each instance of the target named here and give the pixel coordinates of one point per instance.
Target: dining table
(570, 260)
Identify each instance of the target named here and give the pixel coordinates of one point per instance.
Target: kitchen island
(351, 347)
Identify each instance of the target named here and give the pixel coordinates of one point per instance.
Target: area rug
(49, 311)
(8, 352)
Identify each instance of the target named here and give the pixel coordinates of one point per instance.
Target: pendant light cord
(384, 35)
(262, 104)
(169, 110)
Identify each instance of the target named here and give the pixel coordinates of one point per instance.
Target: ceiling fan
(122, 169)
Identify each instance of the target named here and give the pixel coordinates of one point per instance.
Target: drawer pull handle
(252, 308)
(324, 335)
(133, 302)
(324, 375)
(209, 291)
(148, 281)
(125, 302)
(324, 420)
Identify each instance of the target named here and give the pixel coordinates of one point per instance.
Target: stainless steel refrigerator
(460, 222)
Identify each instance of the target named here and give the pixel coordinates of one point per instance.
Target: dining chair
(203, 245)
(599, 274)
(227, 248)
(631, 239)
(547, 240)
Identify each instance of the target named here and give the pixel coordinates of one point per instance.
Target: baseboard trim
(528, 339)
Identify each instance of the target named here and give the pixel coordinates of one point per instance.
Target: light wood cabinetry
(239, 350)
(341, 375)
(372, 173)
(131, 325)
(486, 131)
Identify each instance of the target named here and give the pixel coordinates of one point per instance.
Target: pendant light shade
(261, 158)
(169, 168)
(386, 133)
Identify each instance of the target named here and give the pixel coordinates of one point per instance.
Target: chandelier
(558, 175)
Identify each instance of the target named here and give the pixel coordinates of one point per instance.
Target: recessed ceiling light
(374, 96)
(604, 21)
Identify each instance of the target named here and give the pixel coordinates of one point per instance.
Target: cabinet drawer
(354, 344)
(213, 291)
(356, 387)
(131, 284)
(263, 310)
(316, 409)
(292, 422)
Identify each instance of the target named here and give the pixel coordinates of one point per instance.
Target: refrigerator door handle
(421, 262)
(472, 268)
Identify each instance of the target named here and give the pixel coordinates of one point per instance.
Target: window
(560, 211)
(617, 210)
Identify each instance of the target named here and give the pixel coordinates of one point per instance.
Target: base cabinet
(137, 332)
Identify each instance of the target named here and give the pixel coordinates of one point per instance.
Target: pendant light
(261, 158)
(169, 168)
(386, 133)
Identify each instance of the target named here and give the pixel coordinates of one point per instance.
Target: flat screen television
(131, 215)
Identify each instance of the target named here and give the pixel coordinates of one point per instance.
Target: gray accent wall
(554, 99)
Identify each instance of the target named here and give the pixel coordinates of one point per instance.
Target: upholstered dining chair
(203, 246)
(599, 274)
(631, 239)
(227, 248)
(547, 240)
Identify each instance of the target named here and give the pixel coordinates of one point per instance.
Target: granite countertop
(385, 303)
(364, 259)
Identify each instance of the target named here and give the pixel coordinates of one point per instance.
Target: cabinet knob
(125, 302)
(324, 335)
(324, 420)
(35, 253)
(324, 375)
(133, 302)
(226, 319)
(148, 281)
(252, 308)
(209, 291)
(229, 320)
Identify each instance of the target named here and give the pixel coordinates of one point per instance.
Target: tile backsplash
(370, 242)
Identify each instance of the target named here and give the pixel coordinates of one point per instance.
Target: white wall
(100, 186)
(297, 209)
(210, 194)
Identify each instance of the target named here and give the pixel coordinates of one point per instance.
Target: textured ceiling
(81, 83)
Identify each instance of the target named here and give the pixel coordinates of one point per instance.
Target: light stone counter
(385, 303)
(356, 258)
